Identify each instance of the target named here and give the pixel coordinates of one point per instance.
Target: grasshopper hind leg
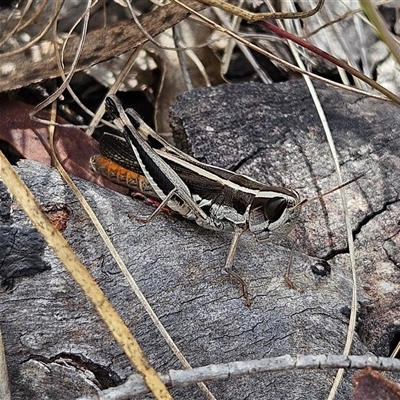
(287, 279)
(157, 211)
(229, 264)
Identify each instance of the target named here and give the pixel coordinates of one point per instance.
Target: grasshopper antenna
(306, 201)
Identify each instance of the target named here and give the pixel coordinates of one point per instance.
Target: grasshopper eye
(274, 208)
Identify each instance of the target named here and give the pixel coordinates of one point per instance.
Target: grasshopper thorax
(274, 213)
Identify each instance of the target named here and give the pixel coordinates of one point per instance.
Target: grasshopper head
(274, 213)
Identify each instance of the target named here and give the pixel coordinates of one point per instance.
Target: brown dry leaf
(189, 34)
(371, 385)
(30, 140)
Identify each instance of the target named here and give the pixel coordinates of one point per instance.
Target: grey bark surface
(56, 346)
(279, 139)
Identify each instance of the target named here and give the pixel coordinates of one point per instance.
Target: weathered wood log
(278, 138)
(57, 347)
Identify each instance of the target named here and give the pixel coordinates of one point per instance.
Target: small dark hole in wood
(321, 268)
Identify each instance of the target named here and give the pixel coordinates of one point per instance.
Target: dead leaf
(30, 140)
(371, 385)
(203, 67)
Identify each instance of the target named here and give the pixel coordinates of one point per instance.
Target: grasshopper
(213, 197)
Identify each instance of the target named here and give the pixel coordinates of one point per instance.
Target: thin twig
(252, 17)
(21, 50)
(135, 386)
